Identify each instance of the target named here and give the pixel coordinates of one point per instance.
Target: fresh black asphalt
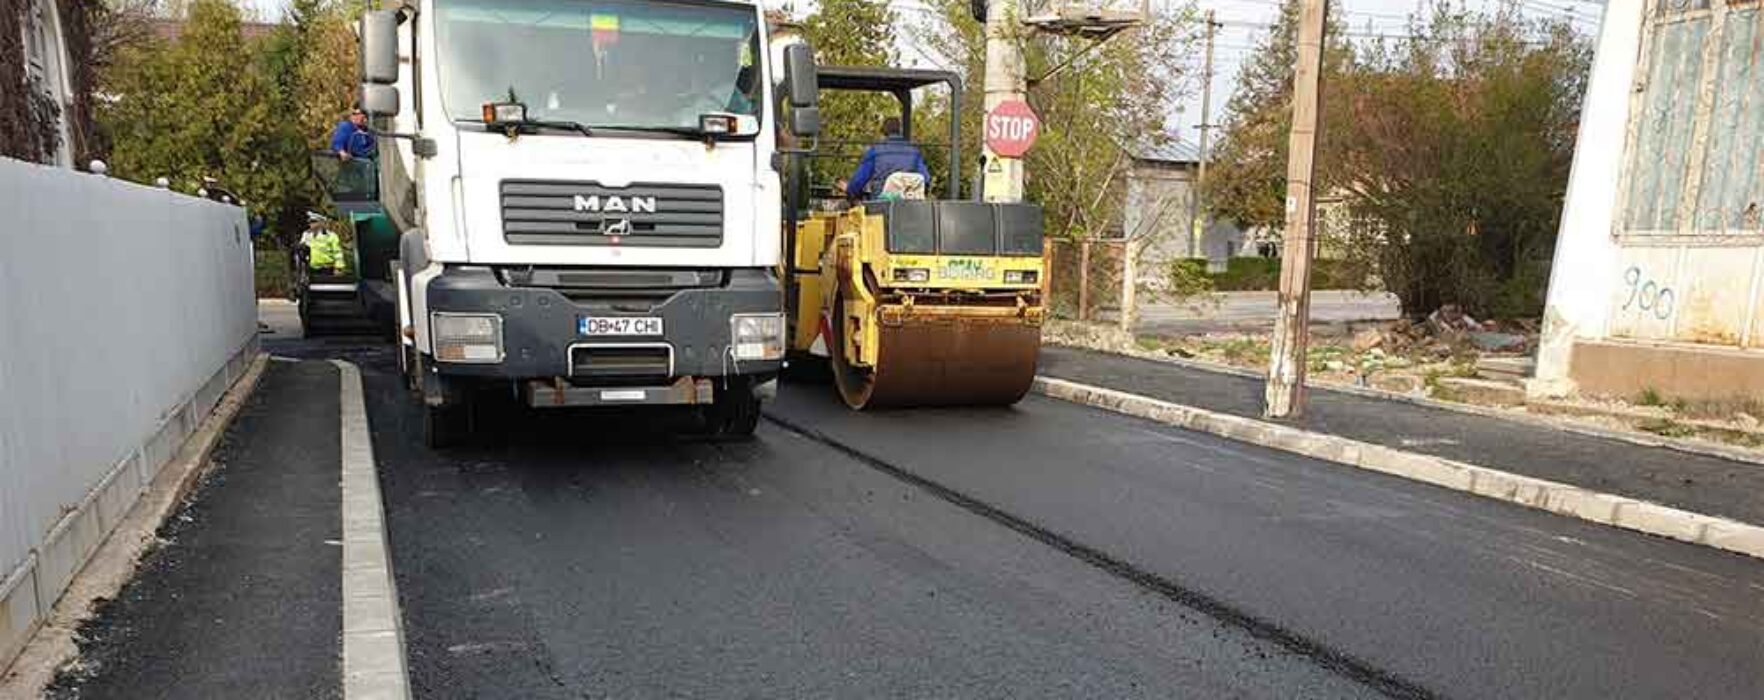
(1453, 594)
(240, 596)
(601, 556)
(1044, 550)
(1694, 482)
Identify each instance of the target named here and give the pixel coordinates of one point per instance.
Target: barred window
(1697, 139)
(37, 38)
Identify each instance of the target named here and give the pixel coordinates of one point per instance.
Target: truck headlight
(467, 337)
(757, 336)
(1022, 276)
(912, 274)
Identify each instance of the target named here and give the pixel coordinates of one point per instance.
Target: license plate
(620, 325)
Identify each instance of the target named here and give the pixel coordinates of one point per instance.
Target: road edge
(1562, 499)
(374, 664)
(1697, 447)
(113, 563)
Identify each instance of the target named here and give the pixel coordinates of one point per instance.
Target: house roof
(1171, 151)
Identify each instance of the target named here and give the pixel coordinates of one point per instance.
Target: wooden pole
(1084, 279)
(1286, 367)
(1129, 290)
(1197, 221)
(1006, 79)
(1047, 270)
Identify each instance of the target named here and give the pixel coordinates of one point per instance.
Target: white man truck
(588, 195)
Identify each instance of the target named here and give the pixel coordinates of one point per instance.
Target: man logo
(615, 227)
(615, 204)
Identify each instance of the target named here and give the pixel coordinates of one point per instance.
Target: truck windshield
(635, 64)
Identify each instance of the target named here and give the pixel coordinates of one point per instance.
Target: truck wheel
(446, 426)
(305, 314)
(735, 414)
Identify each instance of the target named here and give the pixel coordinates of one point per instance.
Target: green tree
(1447, 149)
(310, 62)
(850, 33)
(1096, 103)
(247, 113)
(1246, 180)
(197, 108)
(1457, 156)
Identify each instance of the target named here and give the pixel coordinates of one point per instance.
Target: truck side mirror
(379, 100)
(799, 75)
(805, 121)
(379, 47)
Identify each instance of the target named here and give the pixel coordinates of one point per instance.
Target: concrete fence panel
(125, 311)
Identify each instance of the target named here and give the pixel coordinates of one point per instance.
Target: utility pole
(1197, 221)
(1286, 367)
(1006, 80)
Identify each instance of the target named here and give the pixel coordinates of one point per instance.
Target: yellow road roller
(913, 302)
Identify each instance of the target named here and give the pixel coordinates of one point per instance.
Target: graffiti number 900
(1647, 295)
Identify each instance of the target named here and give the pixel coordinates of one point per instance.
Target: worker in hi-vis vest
(324, 250)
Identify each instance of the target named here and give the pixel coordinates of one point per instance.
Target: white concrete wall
(1582, 273)
(125, 312)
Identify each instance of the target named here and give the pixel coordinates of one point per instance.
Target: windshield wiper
(578, 127)
(558, 124)
(687, 131)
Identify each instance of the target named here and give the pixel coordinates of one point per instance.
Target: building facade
(1159, 211)
(42, 117)
(1658, 280)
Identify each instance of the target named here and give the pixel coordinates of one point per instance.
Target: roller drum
(944, 361)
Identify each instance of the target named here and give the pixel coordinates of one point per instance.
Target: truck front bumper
(541, 338)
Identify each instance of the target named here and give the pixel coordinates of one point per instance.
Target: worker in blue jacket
(893, 154)
(354, 145)
(351, 139)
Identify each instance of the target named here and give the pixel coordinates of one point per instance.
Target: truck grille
(616, 361)
(536, 212)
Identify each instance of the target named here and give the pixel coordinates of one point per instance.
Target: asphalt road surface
(1046, 550)
(591, 556)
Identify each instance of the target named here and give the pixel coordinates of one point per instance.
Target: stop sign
(1011, 128)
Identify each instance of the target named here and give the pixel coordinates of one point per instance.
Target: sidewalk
(1692, 482)
(1255, 311)
(241, 597)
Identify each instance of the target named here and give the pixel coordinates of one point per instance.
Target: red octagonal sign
(1011, 128)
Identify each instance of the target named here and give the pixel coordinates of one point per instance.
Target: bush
(1186, 279)
(1256, 274)
(273, 280)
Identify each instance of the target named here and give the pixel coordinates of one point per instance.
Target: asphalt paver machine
(360, 299)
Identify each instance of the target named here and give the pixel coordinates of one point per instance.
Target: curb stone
(1562, 499)
(374, 664)
(1696, 447)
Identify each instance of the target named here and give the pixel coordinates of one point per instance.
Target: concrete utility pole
(1286, 367)
(1197, 221)
(1006, 80)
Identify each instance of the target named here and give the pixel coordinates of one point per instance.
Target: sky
(1244, 23)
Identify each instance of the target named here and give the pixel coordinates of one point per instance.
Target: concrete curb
(112, 564)
(1562, 499)
(374, 664)
(1696, 447)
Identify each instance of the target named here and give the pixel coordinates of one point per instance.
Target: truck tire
(735, 414)
(446, 426)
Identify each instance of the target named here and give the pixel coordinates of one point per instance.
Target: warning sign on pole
(1011, 128)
